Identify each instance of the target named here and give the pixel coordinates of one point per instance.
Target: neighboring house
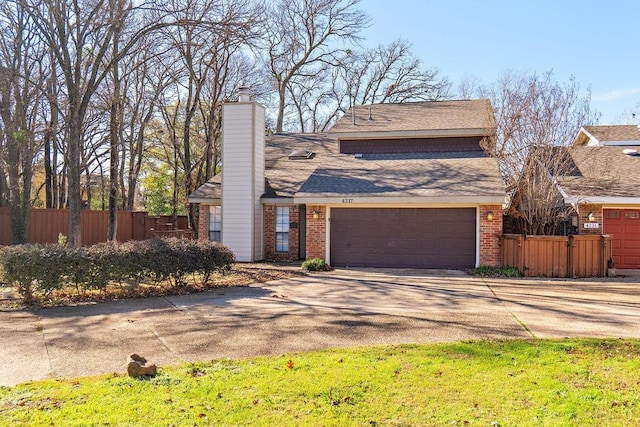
(391, 185)
(605, 187)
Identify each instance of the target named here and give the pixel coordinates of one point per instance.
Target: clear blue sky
(597, 42)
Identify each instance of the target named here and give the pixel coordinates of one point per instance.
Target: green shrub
(315, 264)
(156, 261)
(36, 269)
(213, 257)
(497, 271)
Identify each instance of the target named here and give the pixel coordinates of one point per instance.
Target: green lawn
(485, 383)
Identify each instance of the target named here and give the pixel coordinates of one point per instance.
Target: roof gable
(608, 135)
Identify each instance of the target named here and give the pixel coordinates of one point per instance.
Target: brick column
(203, 222)
(583, 213)
(316, 232)
(294, 233)
(490, 232)
(269, 232)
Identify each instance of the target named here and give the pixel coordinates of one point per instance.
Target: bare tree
(535, 114)
(80, 34)
(141, 86)
(630, 116)
(372, 76)
(23, 70)
(392, 74)
(233, 69)
(384, 74)
(302, 36)
(115, 115)
(51, 116)
(204, 56)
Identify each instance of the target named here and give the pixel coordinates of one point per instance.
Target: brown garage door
(412, 238)
(624, 226)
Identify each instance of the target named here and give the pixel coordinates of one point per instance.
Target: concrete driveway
(336, 309)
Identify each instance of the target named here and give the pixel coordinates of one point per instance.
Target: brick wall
(583, 213)
(316, 232)
(203, 222)
(490, 232)
(270, 253)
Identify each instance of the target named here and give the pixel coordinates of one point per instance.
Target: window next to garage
(215, 223)
(282, 229)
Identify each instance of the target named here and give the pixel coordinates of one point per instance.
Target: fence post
(570, 258)
(604, 255)
(521, 252)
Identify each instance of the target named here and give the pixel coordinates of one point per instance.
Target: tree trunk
(74, 200)
(281, 104)
(114, 144)
(50, 148)
(19, 173)
(18, 211)
(4, 188)
(48, 171)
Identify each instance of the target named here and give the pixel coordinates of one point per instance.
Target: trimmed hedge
(34, 269)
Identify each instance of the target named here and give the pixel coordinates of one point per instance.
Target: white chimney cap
(244, 94)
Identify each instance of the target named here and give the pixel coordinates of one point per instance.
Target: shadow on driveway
(324, 310)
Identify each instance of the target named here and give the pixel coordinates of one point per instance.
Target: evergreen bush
(34, 269)
(315, 264)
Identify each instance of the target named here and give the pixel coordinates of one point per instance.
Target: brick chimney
(243, 124)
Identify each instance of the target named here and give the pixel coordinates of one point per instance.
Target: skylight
(300, 154)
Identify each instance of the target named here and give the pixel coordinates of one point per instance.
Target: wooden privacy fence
(556, 256)
(45, 225)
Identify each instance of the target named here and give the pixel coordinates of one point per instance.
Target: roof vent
(301, 154)
(631, 152)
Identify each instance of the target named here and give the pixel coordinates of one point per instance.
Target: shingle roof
(615, 132)
(418, 116)
(425, 175)
(210, 190)
(328, 173)
(284, 176)
(604, 171)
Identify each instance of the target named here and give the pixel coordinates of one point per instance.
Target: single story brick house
(603, 186)
(390, 185)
